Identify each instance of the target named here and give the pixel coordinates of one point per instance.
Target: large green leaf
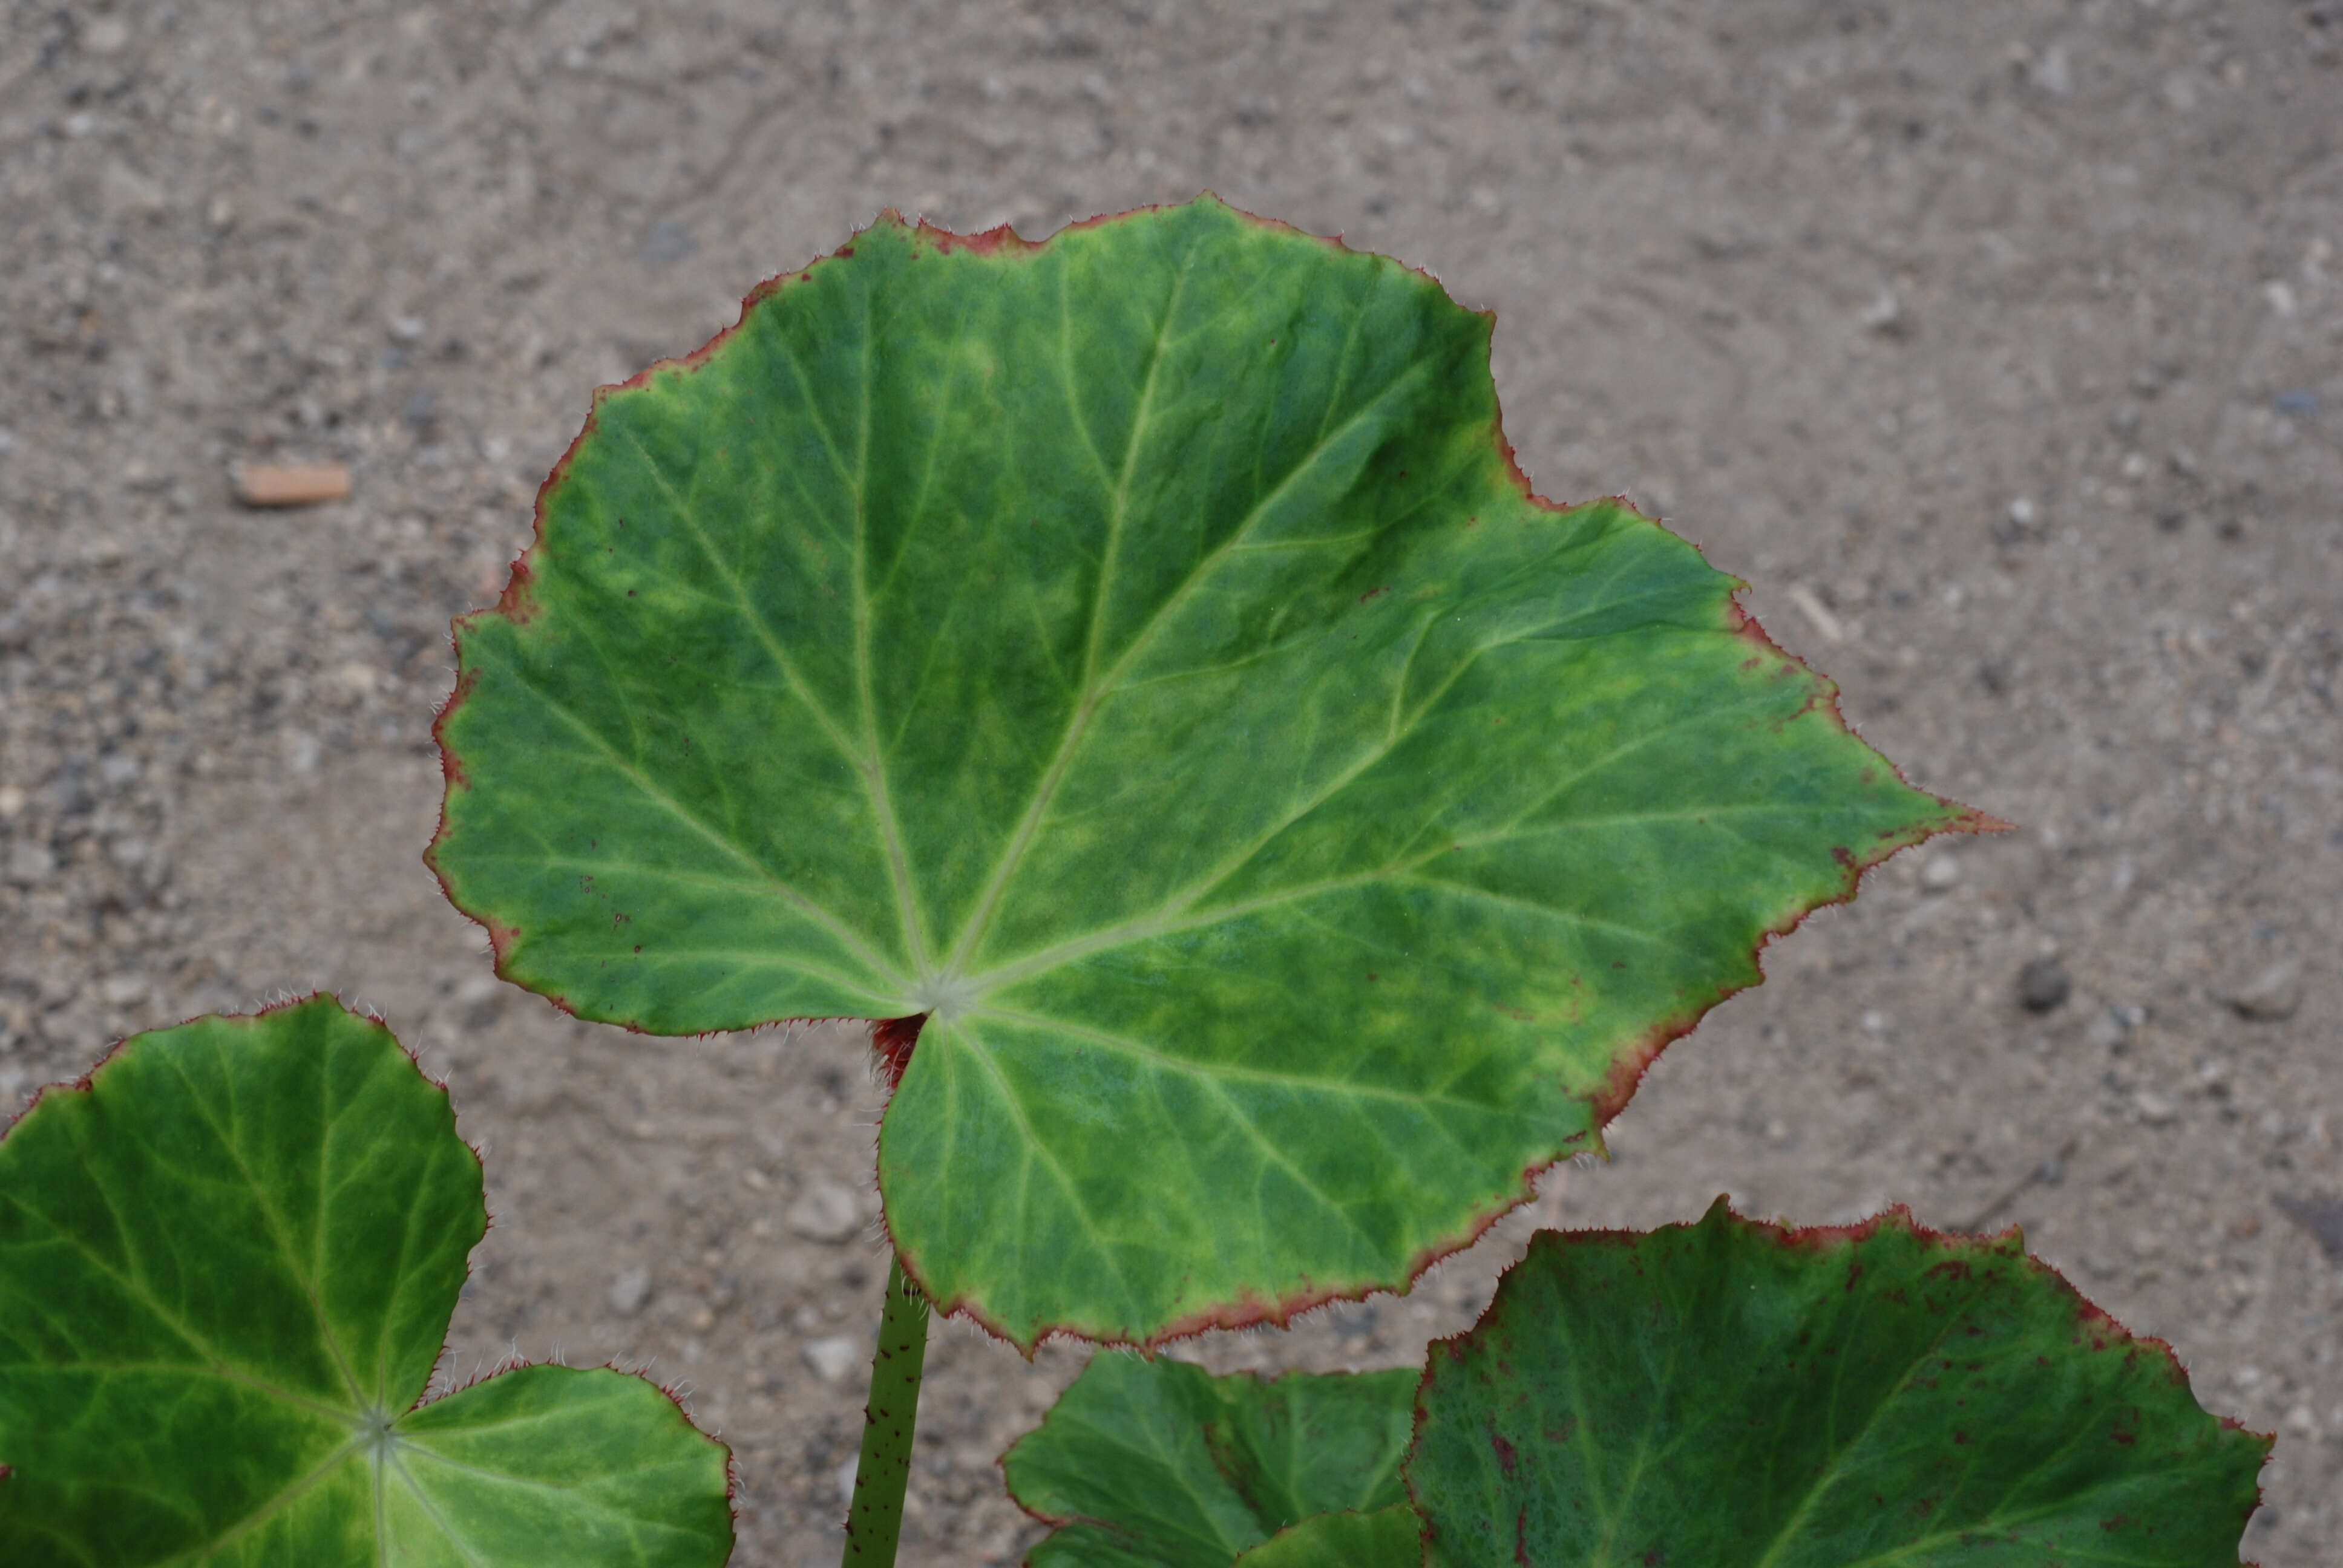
(1159, 1464)
(1730, 1393)
(227, 1268)
(1137, 656)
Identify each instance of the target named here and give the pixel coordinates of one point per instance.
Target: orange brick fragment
(291, 484)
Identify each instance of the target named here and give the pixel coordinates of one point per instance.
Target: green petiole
(875, 1520)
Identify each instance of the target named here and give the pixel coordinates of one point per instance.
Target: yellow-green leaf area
(1137, 655)
(228, 1264)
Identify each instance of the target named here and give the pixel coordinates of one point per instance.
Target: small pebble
(2270, 996)
(825, 1212)
(30, 864)
(2043, 985)
(2154, 1110)
(629, 1290)
(2321, 1214)
(478, 987)
(2050, 72)
(1942, 872)
(833, 1356)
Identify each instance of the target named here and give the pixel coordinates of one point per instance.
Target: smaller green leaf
(1387, 1538)
(1159, 1464)
(1731, 1393)
(227, 1262)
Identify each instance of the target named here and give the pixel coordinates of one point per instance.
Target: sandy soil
(1997, 344)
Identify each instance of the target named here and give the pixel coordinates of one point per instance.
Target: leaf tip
(999, 240)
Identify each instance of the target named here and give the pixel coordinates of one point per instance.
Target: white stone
(30, 863)
(2271, 995)
(825, 1212)
(629, 1290)
(832, 1357)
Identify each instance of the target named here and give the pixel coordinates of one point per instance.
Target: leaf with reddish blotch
(1734, 1392)
(1133, 665)
(1159, 1464)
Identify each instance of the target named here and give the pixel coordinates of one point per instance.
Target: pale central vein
(874, 763)
(423, 1500)
(1411, 1097)
(276, 1224)
(1180, 913)
(1837, 1461)
(846, 935)
(1101, 602)
(1097, 691)
(1075, 1190)
(742, 601)
(284, 1499)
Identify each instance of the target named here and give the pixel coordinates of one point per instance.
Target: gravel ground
(1999, 345)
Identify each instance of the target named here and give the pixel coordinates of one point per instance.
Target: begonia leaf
(1159, 1464)
(227, 1263)
(1734, 1392)
(1387, 1538)
(1132, 668)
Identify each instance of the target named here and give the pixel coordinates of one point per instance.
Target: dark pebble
(2042, 985)
(2320, 1213)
